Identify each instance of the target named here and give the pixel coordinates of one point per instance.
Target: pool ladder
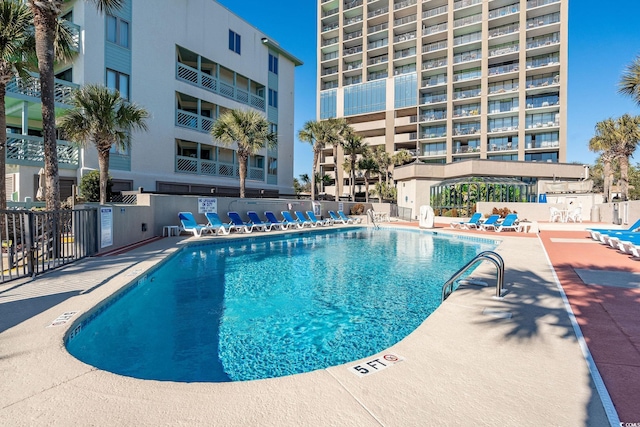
(491, 256)
(372, 217)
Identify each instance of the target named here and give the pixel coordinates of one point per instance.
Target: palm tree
(319, 134)
(250, 130)
(604, 142)
(368, 164)
(306, 182)
(401, 157)
(353, 145)
(383, 159)
(627, 131)
(15, 21)
(630, 82)
(100, 115)
(321, 180)
(45, 20)
(340, 129)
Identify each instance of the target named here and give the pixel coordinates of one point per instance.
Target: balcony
(193, 121)
(436, 11)
(464, 3)
(206, 81)
(438, 28)
(29, 151)
(537, 3)
(31, 89)
(504, 11)
(352, 4)
(402, 4)
(468, 20)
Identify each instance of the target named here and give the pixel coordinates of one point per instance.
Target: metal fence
(36, 241)
(404, 213)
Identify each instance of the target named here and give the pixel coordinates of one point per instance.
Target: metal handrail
(496, 259)
(372, 217)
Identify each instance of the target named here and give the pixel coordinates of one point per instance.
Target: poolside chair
(334, 216)
(555, 214)
(243, 227)
(596, 232)
(509, 223)
(574, 215)
(490, 223)
(353, 220)
(473, 222)
(304, 220)
(275, 222)
(322, 222)
(288, 219)
(189, 224)
(217, 225)
(257, 222)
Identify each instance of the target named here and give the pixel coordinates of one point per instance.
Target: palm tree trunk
(624, 177)
(335, 171)
(44, 22)
(353, 180)
(606, 166)
(3, 147)
(366, 188)
(103, 163)
(242, 165)
(316, 155)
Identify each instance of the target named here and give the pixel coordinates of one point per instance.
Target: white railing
(29, 150)
(31, 87)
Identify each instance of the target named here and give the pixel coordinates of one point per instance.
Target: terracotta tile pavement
(609, 316)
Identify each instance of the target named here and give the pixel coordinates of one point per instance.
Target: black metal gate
(36, 241)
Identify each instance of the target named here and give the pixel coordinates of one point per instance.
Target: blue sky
(603, 39)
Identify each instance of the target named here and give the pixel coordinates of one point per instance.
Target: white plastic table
(169, 230)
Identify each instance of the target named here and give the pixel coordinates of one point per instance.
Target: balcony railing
(330, 12)
(378, 60)
(353, 20)
(377, 12)
(211, 84)
(352, 50)
(504, 11)
(330, 27)
(434, 29)
(431, 47)
(353, 35)
(403, 37)
(379, 27)
(469, 93)
(503, 69)
(405, 3)
(378, 43)
(352, 4)
(193, 121)
(332, 40)
(31, 88)
(467, 38)
(464, 3)
(405, 20)
(434, 63)
(74, 29)
(504, 30)
(433, 12)
(468, 20)
(29, 150)
(536, 3)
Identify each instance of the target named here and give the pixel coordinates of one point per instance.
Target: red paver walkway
(609, 316)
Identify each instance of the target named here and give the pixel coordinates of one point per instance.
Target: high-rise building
(186, 63)
(446, 80)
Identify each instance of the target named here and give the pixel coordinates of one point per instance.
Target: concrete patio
(475, 360)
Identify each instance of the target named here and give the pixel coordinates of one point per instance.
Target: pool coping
(45, 393)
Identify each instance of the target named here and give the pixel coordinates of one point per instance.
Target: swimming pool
(272, 306)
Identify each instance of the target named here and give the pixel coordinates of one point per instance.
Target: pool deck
(476, 360)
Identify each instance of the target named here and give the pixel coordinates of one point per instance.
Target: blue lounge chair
(473, 222)
(275, 222)
(243, 227)
(189, 224)
(509, 223)
(348, 218)
(217, 225)
(257, 222)
(596, 232)
(322, 222)
(290, 221)
(304, 220)
(334, 216)
(490, 223)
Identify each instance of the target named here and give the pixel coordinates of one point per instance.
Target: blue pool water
(272, 306)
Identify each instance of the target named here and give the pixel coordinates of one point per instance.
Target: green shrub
(90, 187)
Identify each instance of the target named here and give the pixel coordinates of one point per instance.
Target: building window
(273, 64)
(117, 31)
(272, 166)
(273, 98)
(118, 81)
(234, 42)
